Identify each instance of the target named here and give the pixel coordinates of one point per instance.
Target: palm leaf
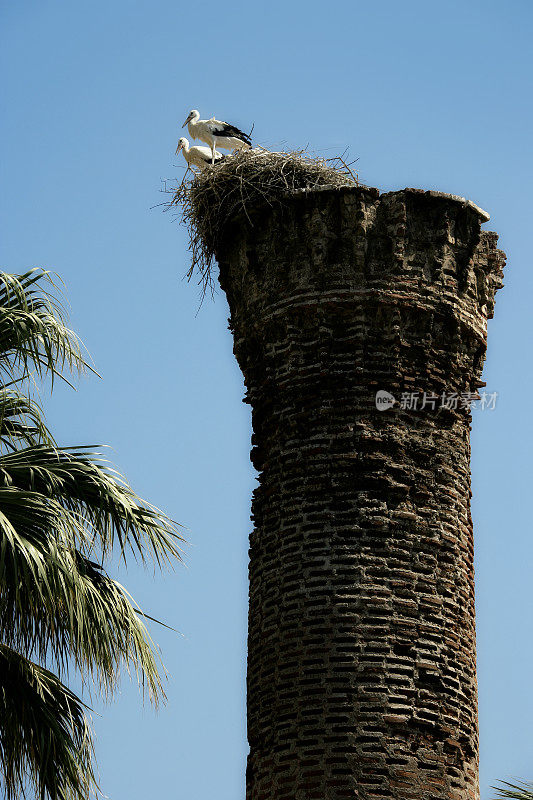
(84, 483)
(108, 632)
(61, 512)
(33, 331)
(21, 419)
(37, 571)
(515, 791)
(57, 603)
(44, 733)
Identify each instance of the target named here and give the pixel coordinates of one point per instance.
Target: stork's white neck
(193, 122)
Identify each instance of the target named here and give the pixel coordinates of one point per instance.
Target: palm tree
(515, 791)
(63, 512)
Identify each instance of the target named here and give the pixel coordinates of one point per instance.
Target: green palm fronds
(94, 493)
(21, 419)
(44, 733)
(55, 601)
(515, 791)
(33, 332)
(63, 513)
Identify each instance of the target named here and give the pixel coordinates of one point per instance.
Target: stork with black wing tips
(216, 133)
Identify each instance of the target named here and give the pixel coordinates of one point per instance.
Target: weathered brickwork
(361, 664)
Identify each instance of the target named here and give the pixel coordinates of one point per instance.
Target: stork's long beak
(178, 148)
(187, 120)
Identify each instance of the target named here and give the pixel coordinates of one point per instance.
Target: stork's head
(183, 143)
(194, 114)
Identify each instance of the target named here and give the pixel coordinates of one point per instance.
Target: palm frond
(33, 331)
(108, 631)
(44, 733)
(62, 512)
(514, 791)
(57, 603)
(84, 483)
(39, 581)
(21, 419)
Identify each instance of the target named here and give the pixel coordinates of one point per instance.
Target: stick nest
(219, 193)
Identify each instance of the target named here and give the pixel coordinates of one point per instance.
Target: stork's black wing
(225, 129)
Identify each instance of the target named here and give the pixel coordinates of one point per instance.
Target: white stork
(216, 133)
(197, 156)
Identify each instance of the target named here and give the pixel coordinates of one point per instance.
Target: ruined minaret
(361, 649)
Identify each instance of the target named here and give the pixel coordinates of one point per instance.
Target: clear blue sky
(425, 94)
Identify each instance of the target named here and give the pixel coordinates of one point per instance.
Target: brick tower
(361, 650)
